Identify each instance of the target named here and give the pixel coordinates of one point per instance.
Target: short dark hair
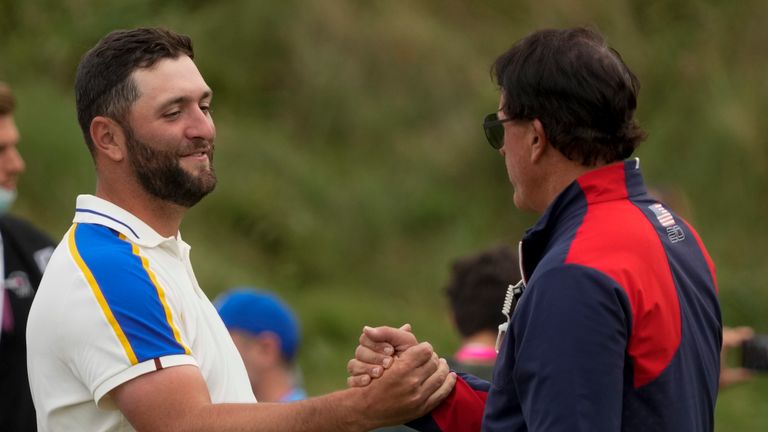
(477, 288)
(103, 84)
(7, 101)
(580, 90)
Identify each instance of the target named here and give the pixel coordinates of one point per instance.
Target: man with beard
(120, 335)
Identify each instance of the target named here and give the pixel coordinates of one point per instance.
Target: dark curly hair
(477, 288)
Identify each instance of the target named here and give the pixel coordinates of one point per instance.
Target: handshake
(398, 378)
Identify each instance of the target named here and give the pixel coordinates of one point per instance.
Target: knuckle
(412, 381)
(359, 352)
(420, 352)
(443, 374)
(414, 401)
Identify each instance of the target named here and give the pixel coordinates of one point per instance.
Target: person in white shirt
(120, 335)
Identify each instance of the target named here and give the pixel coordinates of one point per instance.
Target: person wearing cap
(266, 333)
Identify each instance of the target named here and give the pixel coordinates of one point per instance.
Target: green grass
(351, 162)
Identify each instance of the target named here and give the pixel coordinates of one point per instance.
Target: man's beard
(161, 175)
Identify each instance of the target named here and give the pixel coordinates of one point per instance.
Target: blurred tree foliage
(352, 163)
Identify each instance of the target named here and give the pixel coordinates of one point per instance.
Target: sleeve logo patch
(665, 218)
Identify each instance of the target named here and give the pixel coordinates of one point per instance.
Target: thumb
(399, 338)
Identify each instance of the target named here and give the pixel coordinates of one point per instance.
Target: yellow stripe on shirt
(99, 296)
(160, 292)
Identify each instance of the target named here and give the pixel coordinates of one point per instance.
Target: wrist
(357, 415)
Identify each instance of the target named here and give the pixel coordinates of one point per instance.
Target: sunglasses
(494, 130)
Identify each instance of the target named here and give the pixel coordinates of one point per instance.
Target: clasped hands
(407, 378)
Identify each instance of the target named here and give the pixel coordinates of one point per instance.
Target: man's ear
(540, 143)
(108, 138)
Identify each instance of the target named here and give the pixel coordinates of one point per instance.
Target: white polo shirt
(118, 300)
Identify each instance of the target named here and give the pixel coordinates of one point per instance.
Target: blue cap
(255, 311)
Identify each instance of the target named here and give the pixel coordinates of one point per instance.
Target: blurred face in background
(11, 163)
(170, 133)
(262, 356)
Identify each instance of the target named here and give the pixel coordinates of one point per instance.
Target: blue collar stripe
(108, 217)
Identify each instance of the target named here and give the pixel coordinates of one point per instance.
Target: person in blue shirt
(266, 332)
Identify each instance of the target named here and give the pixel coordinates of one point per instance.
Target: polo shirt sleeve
(570, 334)
(128, 327)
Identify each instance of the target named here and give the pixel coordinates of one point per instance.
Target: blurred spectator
(733, 338)
(24, 252)
(266, 333)
(476, 295)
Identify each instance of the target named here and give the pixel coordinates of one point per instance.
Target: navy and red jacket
(619, 328)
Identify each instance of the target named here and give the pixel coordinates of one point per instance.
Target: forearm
(339, 411)
(176, 399)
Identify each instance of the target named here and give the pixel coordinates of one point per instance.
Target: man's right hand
(377, 350)
(414, 384)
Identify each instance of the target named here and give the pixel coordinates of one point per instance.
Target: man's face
(11, 163)
(170, 133)
(517, 158)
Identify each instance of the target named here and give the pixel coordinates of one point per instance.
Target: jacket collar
(620, 180)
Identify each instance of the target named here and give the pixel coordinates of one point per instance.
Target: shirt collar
(94, 210)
